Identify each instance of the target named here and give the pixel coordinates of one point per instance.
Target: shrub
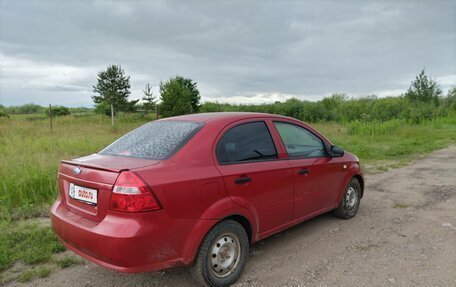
(59, 111)
(3, 114)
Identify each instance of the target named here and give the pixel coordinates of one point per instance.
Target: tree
(449, 102)
(130, 107)
(149, 99)
(3, 112)
(424, 89)
(331, 105)
(113, 88)
(26, 109)
(195, 97)
(179, 96)
(59, 111)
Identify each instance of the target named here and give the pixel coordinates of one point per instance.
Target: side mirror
(336, 151)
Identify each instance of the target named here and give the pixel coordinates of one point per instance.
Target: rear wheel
(349, 204)
(222, 255)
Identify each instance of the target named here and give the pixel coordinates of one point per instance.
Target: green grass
(393, 143)
(26, 276)
(28, 169)
(68, 261)
(400, 205)
(30, 156)
(43, 272)
(28, 242)
(31, 153)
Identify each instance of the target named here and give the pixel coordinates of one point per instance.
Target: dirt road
(404, 235)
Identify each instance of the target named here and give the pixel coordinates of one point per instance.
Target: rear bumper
(140, 242)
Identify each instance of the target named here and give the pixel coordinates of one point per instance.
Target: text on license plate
(85, 194)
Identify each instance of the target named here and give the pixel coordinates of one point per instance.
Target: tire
(349, 204)
(222, 255)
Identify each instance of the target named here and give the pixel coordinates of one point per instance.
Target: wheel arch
(361, 183)
(244, 222)
(222, 210)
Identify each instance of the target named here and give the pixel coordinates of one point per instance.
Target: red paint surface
(194, 192)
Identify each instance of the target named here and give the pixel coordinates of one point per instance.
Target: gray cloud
(236, 51)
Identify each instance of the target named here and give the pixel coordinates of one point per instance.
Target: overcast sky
(237, 51)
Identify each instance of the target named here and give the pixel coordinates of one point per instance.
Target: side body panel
(269, 193)
(316, 190)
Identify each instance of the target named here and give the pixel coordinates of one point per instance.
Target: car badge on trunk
(77, 170)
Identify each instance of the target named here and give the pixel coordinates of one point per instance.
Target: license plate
(84, 194)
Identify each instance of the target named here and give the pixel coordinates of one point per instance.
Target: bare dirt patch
(414, 245)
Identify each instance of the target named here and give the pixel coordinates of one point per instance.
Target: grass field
(381, 145)
(30, 155)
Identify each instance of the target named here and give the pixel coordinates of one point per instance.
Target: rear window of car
(154, 140)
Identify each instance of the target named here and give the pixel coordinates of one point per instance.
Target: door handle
(304, 171)
(242, 180)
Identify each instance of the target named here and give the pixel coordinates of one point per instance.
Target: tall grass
(391, 140)
(29, 242)
(30, 153)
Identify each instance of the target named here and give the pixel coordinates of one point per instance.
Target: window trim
(289, 157)
(229, 128)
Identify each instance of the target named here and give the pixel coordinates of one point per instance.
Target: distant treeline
(339, 107)
(424, 100)
(37, 109)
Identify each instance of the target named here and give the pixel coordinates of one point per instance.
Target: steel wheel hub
(351, 198)
(224, 256)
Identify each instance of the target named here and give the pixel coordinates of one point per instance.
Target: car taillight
(130, 194)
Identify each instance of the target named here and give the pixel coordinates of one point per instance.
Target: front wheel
(222, 255)
(349, 203)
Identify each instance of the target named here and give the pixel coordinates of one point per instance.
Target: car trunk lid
(85, 184)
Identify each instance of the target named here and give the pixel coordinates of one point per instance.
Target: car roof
(224, 117)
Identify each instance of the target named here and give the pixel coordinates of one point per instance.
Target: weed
(26, 276)
(400, 205)
(43, 272)
(382, 168)
(68, 261)
(367, 247)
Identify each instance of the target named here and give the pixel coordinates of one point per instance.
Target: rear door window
(245, 143)
(154, 140)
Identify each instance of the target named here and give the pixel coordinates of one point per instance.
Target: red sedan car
(198, 189)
